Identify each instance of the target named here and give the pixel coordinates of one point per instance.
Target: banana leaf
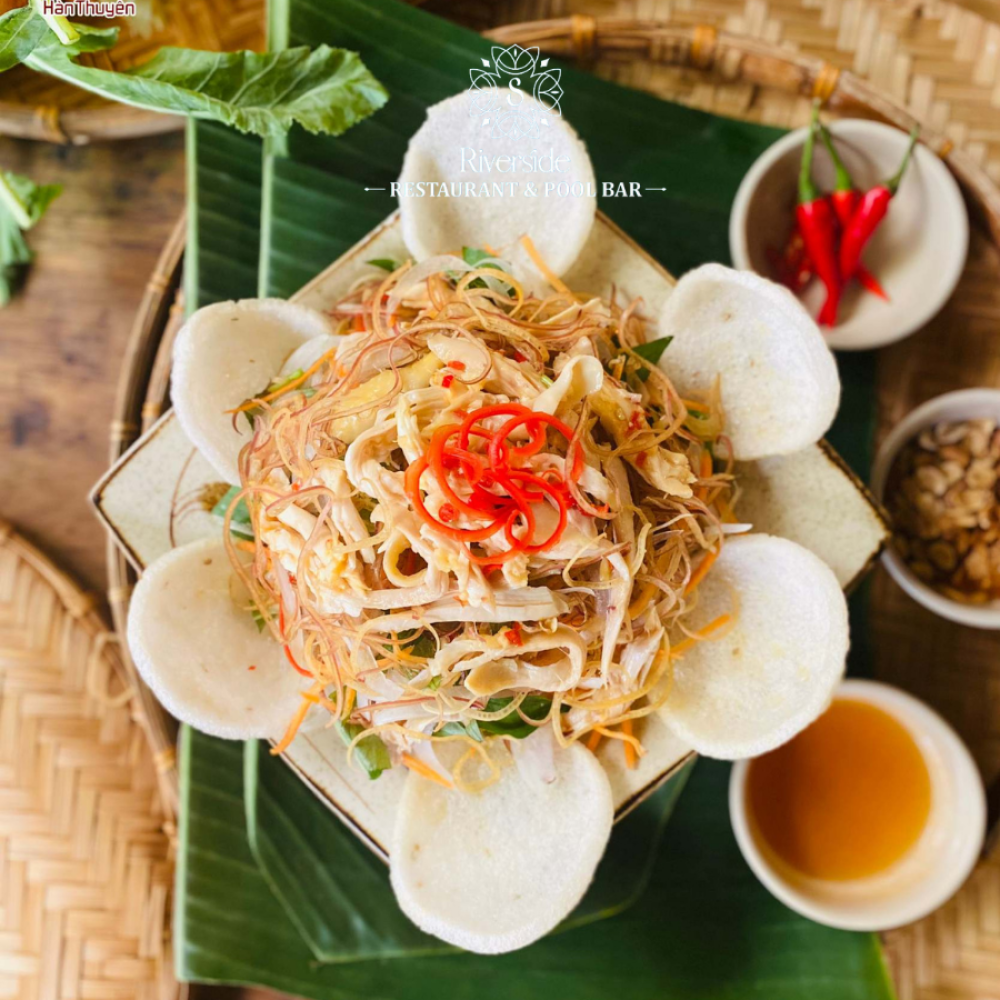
(337, 892)
(224, 172)
(631, 136)
(705, 929)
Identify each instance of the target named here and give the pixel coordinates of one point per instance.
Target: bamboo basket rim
(143, 386)
(85, 610)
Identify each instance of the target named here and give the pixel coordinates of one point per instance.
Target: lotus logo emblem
(498, 90)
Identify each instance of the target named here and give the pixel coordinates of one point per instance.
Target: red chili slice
(412, 484)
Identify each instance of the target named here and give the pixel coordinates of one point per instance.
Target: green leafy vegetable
(461, 729)
(422, 646)
(61, 26)
(22, 204)
(512, 724)
(324, 90)
(385, 263)
(240, 523)
(258, 618)
(370, 753)
(651, 351)
(90, 40)
(21, 31)
(473, 256)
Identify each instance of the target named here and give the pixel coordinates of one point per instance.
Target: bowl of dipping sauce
(938, 475)
(871, 818)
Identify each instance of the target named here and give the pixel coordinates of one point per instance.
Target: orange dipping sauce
(845, 799)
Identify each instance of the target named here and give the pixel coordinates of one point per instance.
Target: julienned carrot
(702, 571)
(818, 225)
(293, 726)
(685, 644)
(593, 740)
(868, 215)
(643, 600)
(419, 767)
(631, 757)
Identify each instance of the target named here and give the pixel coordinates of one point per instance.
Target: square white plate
(159, 495)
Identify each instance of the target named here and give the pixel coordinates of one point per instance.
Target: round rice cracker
(558, 225)
(195, 648)
(531, 847)
(225, 354)
(775, 671)
(779, 382)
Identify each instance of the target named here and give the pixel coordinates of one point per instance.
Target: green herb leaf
(370, 752)
(651, 351)
(470, 729)
(385, 263)
(324, 90)
(282, 381)
(240, 523)
(435, 683)
(423, 646)
(258, 618)
(21, 32)
(513, 725)
(22, 204)
(473, 256)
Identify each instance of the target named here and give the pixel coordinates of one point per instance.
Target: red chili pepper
(286, 647)
(513, 635)
(458, 366)
(818, 225)
(868, 215)
(447, 380)
(845, 198)
(446, 512)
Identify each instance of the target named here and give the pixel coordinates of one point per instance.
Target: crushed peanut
(944, 497)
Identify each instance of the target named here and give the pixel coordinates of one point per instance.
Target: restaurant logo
(498, 89)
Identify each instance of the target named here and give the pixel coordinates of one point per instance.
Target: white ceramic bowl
(934, 868)
(917, 253)
(961, 405)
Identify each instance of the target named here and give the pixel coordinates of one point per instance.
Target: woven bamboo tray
(955, 953)
(85, 872)
(36, 106)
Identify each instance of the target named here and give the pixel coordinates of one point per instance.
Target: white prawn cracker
(202, 655)
(225, 354)
(495, 870)
(775, 671)
(454, 149)
(778, 379)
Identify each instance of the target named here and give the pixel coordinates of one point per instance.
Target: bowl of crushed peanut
(938, 475)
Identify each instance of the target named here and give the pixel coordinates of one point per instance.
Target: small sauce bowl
(917, 253)
(928, 874)
(965, 404)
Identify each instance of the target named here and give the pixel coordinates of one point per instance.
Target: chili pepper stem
(893, 182)
(844, 180)
(807, 187)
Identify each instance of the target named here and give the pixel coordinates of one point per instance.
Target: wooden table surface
(62, 338)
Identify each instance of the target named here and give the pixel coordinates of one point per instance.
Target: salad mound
(477, 514)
